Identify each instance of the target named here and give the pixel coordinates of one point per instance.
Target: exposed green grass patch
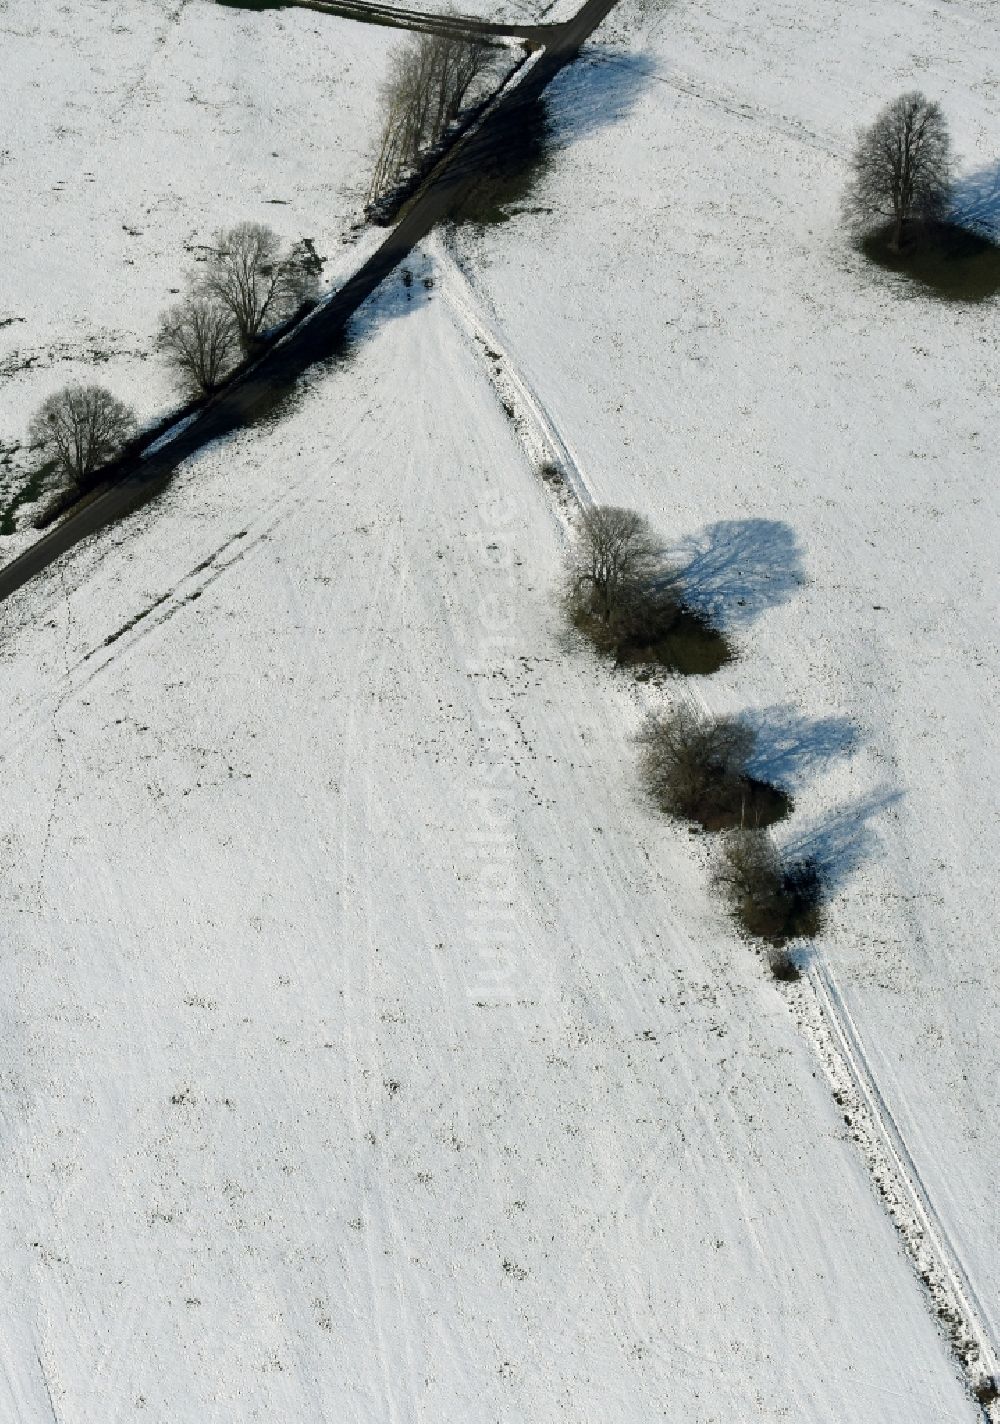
(27, 494)
(687, 643)
(945, 261)
(748, 802)
(677, 638)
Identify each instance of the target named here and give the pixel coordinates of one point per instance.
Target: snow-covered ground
(134, 130)
(369, 1050)
(818, 440)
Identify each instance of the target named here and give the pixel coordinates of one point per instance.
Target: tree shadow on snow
(405, 291)
(791, 746)
(844, 839)
(976, 202)
(599, 90)
(738, 568)
(496, 174)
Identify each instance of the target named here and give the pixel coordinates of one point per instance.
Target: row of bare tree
(246, 283)
(902, 171)
(695, 767)
(430, 82)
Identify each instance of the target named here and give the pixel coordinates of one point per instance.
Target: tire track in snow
(60, 739)
(393, 1329)
(633, 1208)
(817, 1005)
(617, 1309)
(160, 40)
(546, 442)
(185, 590)
(824, 1018)
(787, 127)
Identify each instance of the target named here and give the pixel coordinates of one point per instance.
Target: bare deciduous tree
(617, 557)
(749, 868)
(695, 766)
(773, 899)
(200, 339)
(81, 428)
(429, 83)
(902, 167)
(249, 277)
(457, 65)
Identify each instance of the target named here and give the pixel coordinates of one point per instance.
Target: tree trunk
(896, 241)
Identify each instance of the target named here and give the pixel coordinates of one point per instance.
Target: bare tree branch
(617, 556)
(200, 338)
(245, 275)
(81, 428)
(429, 82)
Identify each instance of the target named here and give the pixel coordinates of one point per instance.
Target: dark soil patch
(744, 801)
(790, 907)
(687, 644)
(27, 494)
(946, 261)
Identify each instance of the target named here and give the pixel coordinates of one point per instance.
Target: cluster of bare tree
(430, 81)
(248, 283)
(902, 169)
(620, 592)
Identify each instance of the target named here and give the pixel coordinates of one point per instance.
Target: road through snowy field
(369, 1052)
(815, 439)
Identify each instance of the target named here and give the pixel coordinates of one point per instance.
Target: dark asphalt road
(321, 336)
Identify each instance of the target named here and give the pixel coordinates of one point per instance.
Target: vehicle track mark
(817, 1006)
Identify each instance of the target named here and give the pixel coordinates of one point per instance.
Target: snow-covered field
(369, 1050)
(371, 1054)
(134, 130)
(819, 440)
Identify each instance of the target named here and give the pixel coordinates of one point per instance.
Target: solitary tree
(249, 276)
(199, 337)
(902, 167)
(81, 428)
